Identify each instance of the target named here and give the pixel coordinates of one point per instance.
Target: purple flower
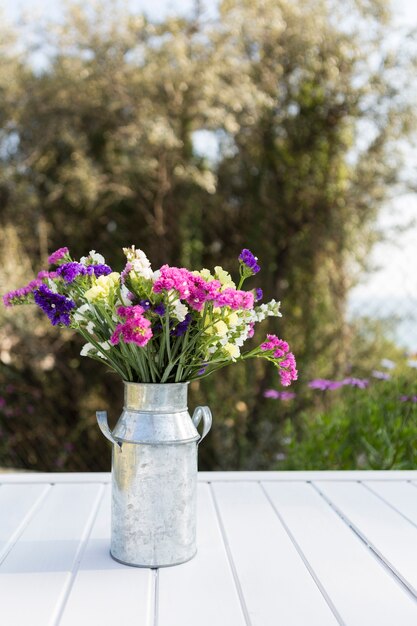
(408, 399)
(202, 370)
(181, 328)
(361, 383)
(381, 375)
(57, 255)
(279, 395)
(323, 384)
(145, 304)
(128, 268)
(18, 296)
(45, 274)
(250, 261)
(100, 269)
(70, 271)
(159, 309)
(259, 294)
(56, 306)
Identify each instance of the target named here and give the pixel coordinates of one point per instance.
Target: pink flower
(280, 350)
(57, 256)
(235, 299)
(193, 289)
(136, 329)
(177, 278)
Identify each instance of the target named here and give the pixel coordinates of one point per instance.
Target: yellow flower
(218, 328)
(232, 350)
(204, 273)
(232, 319)
(103, 287)
(224, 277)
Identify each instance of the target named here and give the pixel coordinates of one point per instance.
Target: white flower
(390, 365)
(139, 261)
(79, 313)
(52, 286)
(267, 310)
(93, 256)
(179, 310)
(86, 349)
(105, 345)
(124, 295)
(90, 327)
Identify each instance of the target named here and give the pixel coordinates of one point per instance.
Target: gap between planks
(23, 524)
(230, 557)
(362, 537)
(78, 557)
(304, 558)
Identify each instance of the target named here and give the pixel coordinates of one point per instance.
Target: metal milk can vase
(154, 475)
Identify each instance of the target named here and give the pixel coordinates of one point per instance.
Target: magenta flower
(57, 256)
(136, 329)
(280, 350)
(234, 299)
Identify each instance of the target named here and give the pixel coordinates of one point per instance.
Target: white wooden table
(274, 549)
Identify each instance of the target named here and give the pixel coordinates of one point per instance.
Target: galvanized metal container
(154, 475)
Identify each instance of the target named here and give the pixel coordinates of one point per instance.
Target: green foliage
(308, 103)
(373, 428)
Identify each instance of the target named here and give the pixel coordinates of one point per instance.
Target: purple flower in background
(381, 375)
(279, 395)
(57, 255)
(323, 384)
(181, 328)
(259, 294)
(408, 399)
(249, 260)
(56, 306)
(361, 383)
(159, 309)
(202, 370)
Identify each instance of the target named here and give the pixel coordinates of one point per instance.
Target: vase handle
(205, 413)
(104, 427)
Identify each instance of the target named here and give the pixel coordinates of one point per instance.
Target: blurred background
(193, 129)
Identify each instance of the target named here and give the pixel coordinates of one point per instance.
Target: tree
(98, 152)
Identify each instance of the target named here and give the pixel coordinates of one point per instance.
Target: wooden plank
(400, 495)
(275, 582)
(105, 592)
(362, 590)
(17, 504)
(308, 476)
(389, 534)
(57, 477)
(201, 591)
(105, 477)
(36, 572)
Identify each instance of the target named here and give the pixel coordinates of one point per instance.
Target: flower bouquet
(168, 326)
(158, 331)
